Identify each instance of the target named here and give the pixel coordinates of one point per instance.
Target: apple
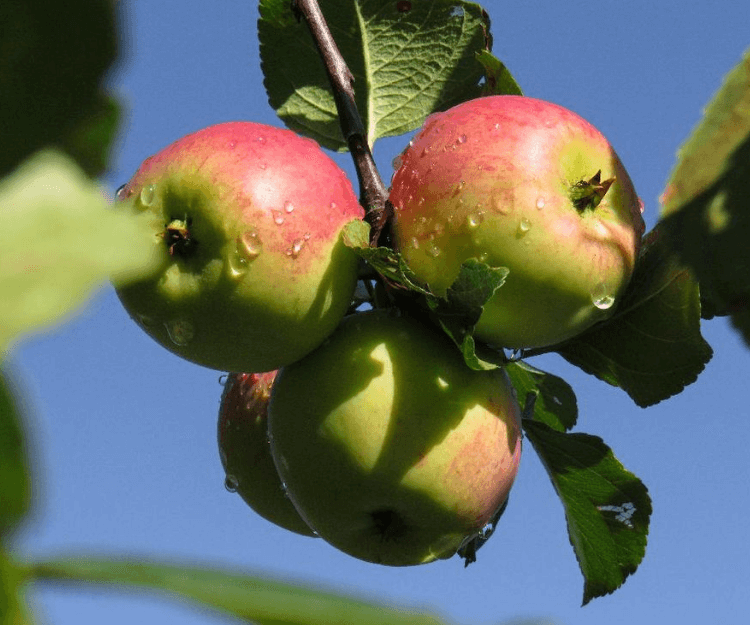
(390, 447)
(247, 219)
(524, 184)
(245, 451)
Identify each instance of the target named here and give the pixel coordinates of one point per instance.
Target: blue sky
(124, 433)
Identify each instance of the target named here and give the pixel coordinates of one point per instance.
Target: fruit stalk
(373, 192)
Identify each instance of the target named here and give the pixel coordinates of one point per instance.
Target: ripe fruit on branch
(245, 451)
(525, 184)
(248, 219)
(391, 448)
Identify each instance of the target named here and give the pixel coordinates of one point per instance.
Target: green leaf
(15, 483)
(251, 598)
(408, 60)
(13, 609)
(652, 348)
(90, 141)
(607, 508)
(459, 311)
(556, 403)
(706, 204)
(53, 56)
(58, 241)
(498, 80)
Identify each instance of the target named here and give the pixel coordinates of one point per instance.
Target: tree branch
(373, 193)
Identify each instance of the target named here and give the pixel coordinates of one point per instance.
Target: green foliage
(706, 204)
(13, 609)
(607, 508)
(15, 484)
(555, 403)
(250, 598)
(53, 56)
(652, 348)
(58, 241)
(406, 64)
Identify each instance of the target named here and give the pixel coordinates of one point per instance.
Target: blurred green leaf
(607, 508)
(556, 404)
(58, 241)
(13, 609)
(408, 60)
(53, 56)
(255, 599)
(89, 142)
(706, 204)
(15, 483)
(652, 348)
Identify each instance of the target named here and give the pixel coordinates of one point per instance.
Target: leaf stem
(373, 193)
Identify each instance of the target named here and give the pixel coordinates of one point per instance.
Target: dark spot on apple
(389, 524)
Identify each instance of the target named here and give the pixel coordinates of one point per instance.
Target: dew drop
(249, 245)
(180, 331)
(482, 258)
(333, 205)
(262, 165)
(232, 145)
(474, 219)
(261, 139)
(500, 206)
(120, 194)
(148, 194)
(223, 379)
(231, 483)
(433, 249)
(288, 207)
(641, 205)
(296, 248)
(540, 203)
(415, 243)
(524, 226)
(461, 139)
(278, 218)
(602, 298)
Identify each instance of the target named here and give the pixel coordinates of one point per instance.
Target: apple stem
(373, 192)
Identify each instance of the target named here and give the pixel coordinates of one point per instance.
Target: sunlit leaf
(555, 404)
(58, 241)
(607, 508)
(255, 599)
(706, 204)
(408, 59)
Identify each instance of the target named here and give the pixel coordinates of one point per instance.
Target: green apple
(247, 219)
(390, 447)
(524, 184)
(245, 451)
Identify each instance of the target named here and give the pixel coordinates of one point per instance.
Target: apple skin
(247, 218)
(391, 448)
(491, 179)
(246, 453)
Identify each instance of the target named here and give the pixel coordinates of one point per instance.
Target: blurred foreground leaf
(53, 56)
(653, 347)
(251, 598)
(607, 508)
(408, 60)
(58, 241)
(15, 485)
(706, 204)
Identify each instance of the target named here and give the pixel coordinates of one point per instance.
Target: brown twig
(373, 193)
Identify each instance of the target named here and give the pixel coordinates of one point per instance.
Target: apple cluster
(366, 427)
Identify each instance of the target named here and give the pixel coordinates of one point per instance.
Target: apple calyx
(178, 238)
(588, 194)
(388, 524)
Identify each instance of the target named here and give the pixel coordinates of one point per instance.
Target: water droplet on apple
(333, 205)
(231, 483)
(232, 145)
(461, 139)
(475, 219)
(602, 297)
(288, 207)
(261, 139)
(148, 194)
(500, 206)
(120, 193)
(296, 248)
(223, 379)
(641, 205)
(524, 226)
(482, 258)
(415, 243)
(249, 245)
(433, 249)
(180, 331)
(540, 203)
(278, 218)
